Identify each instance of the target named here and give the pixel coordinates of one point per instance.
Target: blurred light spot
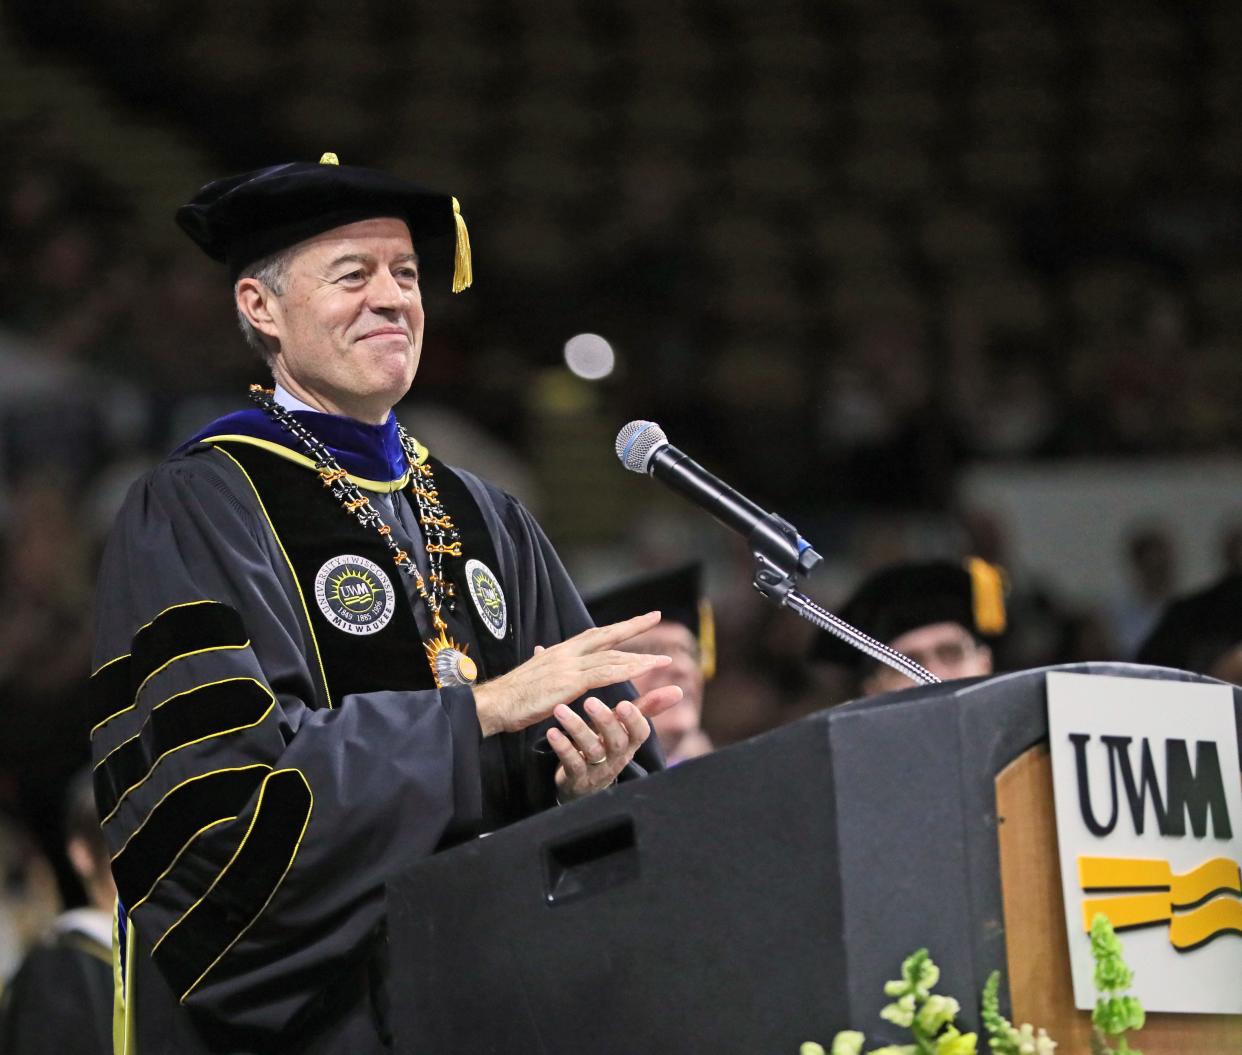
(589, 356)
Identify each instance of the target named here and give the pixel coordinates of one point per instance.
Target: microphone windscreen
(637, 442)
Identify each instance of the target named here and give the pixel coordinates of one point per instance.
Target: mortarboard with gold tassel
(902, 597)
(241, 219)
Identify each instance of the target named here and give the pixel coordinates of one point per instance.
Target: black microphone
(643, 448)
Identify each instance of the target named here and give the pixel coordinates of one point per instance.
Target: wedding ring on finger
(596, 761)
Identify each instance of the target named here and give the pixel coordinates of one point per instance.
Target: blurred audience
(1230, 548)
(1201, 632)
(45, 639)
(686, 633)
(1151, 565)
(841, 331)
(60, 1000)
(29, 900)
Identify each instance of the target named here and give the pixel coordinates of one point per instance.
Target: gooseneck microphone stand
(780, 554)
(778, 557)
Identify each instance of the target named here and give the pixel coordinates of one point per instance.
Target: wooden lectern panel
(1040, 985)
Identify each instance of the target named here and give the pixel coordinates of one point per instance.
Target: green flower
(918, 975)
(1002, 1037)
(847, 1042)
(1044, 1044)
(1111, 972)
(951, 1042)
(930, 1017)
(921, 973)
(938, 1011)
(1116, 1014)
(1004, 1041)
(900, 1013)
(1027, 1042)
(1112, 975)
(1110, 1015)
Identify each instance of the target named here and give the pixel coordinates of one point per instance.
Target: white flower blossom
(900, 1013)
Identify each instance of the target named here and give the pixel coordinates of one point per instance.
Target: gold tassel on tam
(988, 589)
(463, 268)
(707, 639)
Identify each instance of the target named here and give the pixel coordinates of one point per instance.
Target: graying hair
(270, 271)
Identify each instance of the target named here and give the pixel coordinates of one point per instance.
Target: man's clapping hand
(562, 673)
(592, 752)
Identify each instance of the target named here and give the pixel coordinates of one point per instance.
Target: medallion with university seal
(488, 597)
(354, 594)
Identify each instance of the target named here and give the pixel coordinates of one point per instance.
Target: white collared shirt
(291, 402)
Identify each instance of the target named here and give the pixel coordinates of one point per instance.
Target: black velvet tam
(675, 594)
(240, 219)
(904, 597)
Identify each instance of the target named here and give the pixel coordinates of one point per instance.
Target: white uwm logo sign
(1149, 807)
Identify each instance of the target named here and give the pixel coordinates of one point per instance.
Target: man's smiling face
(350, 319)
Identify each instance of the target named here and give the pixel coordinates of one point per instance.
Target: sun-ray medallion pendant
(449, 663)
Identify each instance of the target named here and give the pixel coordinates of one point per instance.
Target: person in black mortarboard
(941, 614)
(1200, 632)
(321, 653)
(686, 633)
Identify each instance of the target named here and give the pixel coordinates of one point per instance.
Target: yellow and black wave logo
(1198, 906)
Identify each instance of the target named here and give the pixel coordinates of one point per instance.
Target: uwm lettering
(1189, 792)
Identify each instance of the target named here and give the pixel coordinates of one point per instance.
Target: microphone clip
(780, 554)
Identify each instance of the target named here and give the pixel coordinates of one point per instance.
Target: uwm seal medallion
(354, 594)
(489, 599)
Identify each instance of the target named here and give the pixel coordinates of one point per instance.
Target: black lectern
(743, 902)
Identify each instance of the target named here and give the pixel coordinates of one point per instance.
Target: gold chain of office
(448, 660)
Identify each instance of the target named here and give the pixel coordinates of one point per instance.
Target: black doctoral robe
(252, 817)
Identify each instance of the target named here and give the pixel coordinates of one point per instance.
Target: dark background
(849, 254)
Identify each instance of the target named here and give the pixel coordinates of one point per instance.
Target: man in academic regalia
(943, 615)
(686, 633)
(321, 653)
